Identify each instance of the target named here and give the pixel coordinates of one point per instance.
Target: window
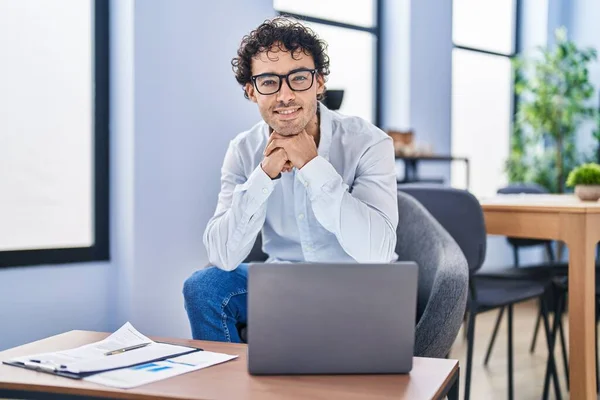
(351, 31)
(481, 116)
(485, 25)
(484, 37)
(361, 13)
(53, 131)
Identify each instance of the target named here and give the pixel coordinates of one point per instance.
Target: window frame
(516, 48)
(375, 30)
(99, 251)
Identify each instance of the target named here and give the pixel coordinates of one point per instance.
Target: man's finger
(275, 143)
(269, 149)
(276, 135)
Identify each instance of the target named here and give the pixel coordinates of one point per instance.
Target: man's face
(275, 108)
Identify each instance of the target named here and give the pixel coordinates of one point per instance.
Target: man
(321, 186)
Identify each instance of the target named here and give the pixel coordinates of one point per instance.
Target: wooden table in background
(429, 379)
(577, 223)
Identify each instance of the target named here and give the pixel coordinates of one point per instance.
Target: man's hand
(275, 163)
(300, 148)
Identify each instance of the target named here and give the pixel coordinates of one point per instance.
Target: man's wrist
(269, 175)
(308, 160)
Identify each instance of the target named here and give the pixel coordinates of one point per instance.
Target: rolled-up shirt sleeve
(240, 213)
(364, 217)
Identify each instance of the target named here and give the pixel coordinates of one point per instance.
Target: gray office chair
(443, 278)
(256, 254)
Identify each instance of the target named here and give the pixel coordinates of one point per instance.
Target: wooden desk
(577, 223)
(429, 379)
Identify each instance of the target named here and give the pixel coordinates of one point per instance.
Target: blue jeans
(216, 303)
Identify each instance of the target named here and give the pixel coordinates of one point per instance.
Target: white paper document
(92, 357)
(155, 371)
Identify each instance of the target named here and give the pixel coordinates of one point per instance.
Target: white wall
(417, 65)
(40, 301)
(430, 77)
(395, 36)
(186, 106)
(122, 156)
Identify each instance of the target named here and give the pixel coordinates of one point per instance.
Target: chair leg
(510, 353)
(563, 344)
(536, 330)
(470, 340)
(550, 252)
(597, 373)
(551, 371)
(493, 338)
(466, 324)
(596, 345)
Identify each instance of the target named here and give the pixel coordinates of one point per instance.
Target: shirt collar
(326, 131)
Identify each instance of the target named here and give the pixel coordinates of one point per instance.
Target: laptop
(327, 318)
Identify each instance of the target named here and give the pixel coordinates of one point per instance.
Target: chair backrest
(460, 213)
(526, 188)
(256, 254)
(443, 277)
(516, 188)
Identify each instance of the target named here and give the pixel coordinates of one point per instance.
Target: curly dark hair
(286, 33)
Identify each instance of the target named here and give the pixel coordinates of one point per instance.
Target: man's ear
(249, 88)
(320, 84)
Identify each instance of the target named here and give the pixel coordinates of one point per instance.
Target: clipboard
(72, 375)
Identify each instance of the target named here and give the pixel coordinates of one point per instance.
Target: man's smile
(288, 113)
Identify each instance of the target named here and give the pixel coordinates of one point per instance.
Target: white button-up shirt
(340, 207)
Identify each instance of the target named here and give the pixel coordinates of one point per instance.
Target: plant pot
(588, 192)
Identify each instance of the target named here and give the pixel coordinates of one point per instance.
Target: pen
(43, 365)
(124, 349)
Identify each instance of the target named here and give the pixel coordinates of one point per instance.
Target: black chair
(459, 212)
(543, 272)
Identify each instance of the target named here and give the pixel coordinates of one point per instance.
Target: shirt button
(305, 184)
(308, 248)
(265, 190)
(300, 216)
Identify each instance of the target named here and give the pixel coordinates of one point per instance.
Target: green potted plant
(554, 92)
(586, 180)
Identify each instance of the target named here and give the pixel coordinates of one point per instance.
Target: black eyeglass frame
(287, 80)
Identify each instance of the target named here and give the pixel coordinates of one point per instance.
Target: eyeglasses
(298, 80)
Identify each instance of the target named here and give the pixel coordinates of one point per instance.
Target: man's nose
(285, 94)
